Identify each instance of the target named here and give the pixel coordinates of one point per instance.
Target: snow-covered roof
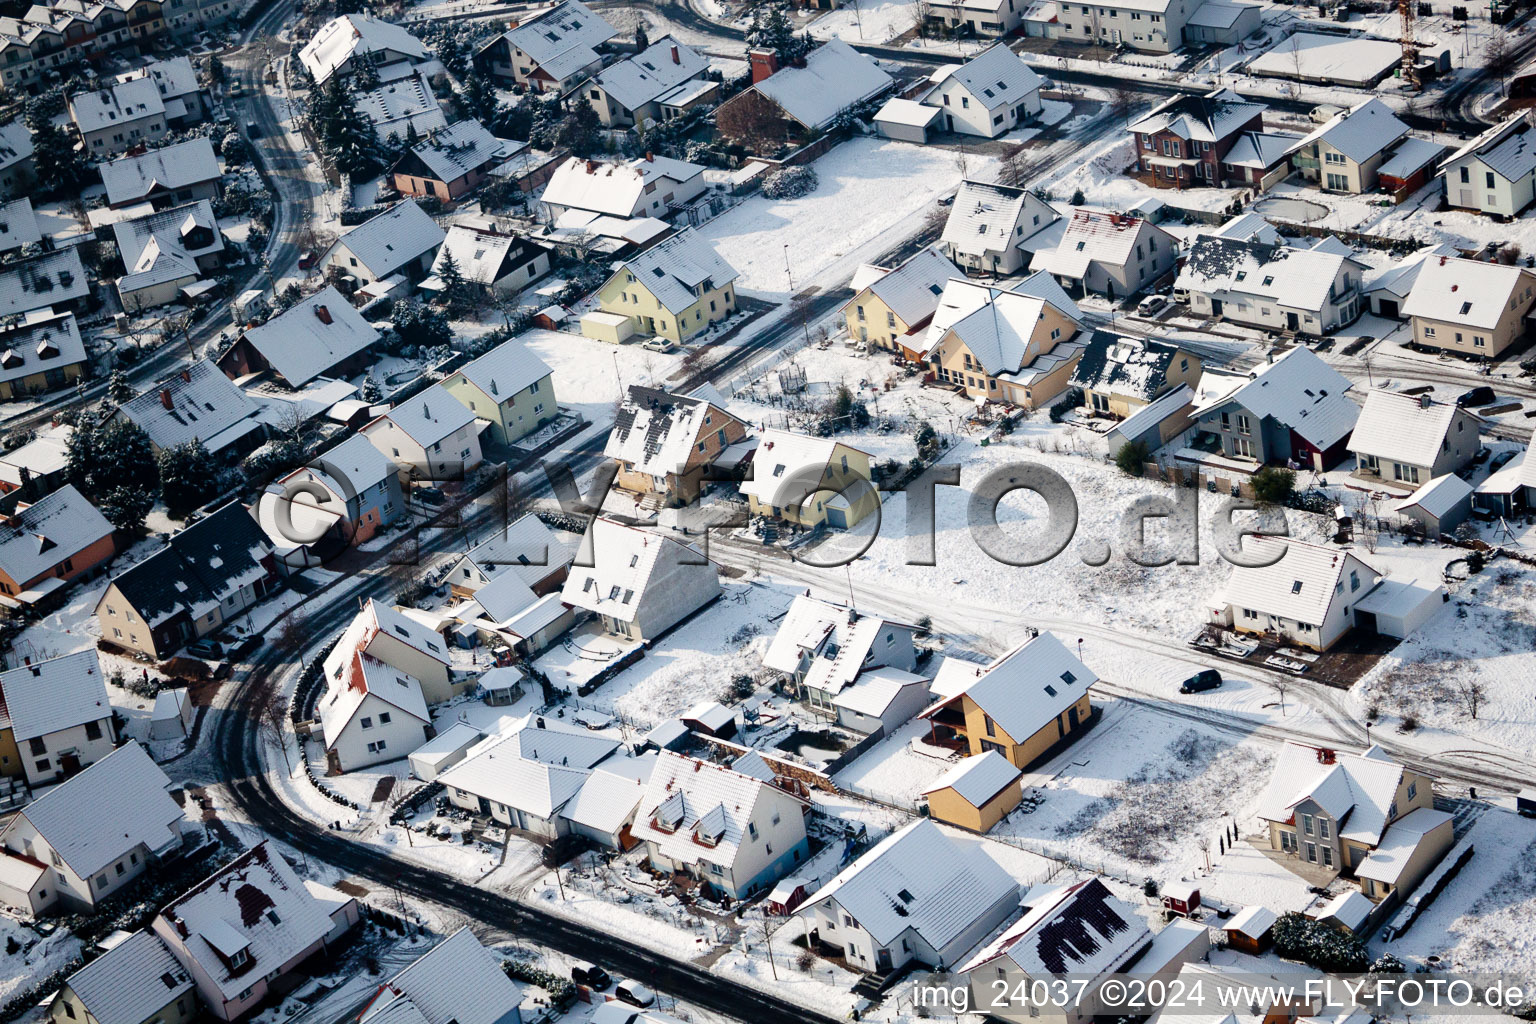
(978, 779)
(1411, 154)
(525, 546)
(1399, 278)
(15, 143)
(1248, 227)
(616, 189)
(911, 113)
(1351, 909)
(341, 39)
(43, 341)
(872, 692)
(918, 878)
(1399, 599)
(1300, 391)
(458, 737)
(131, 982)
(1092, 236)
(1299, 584)
(834, 78)
(49, 696)
(55, 528)
(165, 245)
(1508, 149)
(651, 73)
(506, 370)
(562, 39)
(1299, 278)
(1471, 293)
(987, 217)
(1390, 859)
(696, 811)
(375, 618)
(536, 768)
(400, 106)
(1437, 497)
(913, 289)
(1219, 14)
(462, 147)
(1360, 132)
(1125, 365)
(254, 903)
(199, 403)
(1081, 929)
(18, 225)
(114, 806)
(354, 460)
(619, 564)
(314, 334)
(484, 256)
(388, 241)
(607, 799)
(458, 981)
(1025, 689)
(1359, 791)
(1260, 150)
(346, 695)
(1355, 60)
(780, 470)
(996, 77)
(43, 281)
(997, 323)
(174, 77)
(656, 431)
(1208, 118)
(1410, 429)
(115, 104)
(44, 455)
(428, 417)
(167, 169)
(678, 270)
(1253, 921)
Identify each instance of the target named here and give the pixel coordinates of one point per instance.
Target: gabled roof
(365, 675)
(114, 806)
(1358, 790)
(356, 462)
(1299, 584)
(163, 245)
(987, 217)
(400, 105)
(375, 618)
(314, 334)
(460, 148)
(131, 982)
(1026, 689)
(695, 810)
(655, 430)
(1092, 236)
(44, 281)
(841, 642)
(617, 189)
(1410, 429)
(1467, 292)
(96, 109)
(913, 289)
(173, 77)
(1254, 921)
(1299, 278)
(15, 143)
(458, 981)
(44, 341)
(1208, 118)
(53, 529)
(535, 769)
(1248, 227)
(341, 39)
(18, 225)
(386, 242)
(1079, 929)
(1360, 133)
(834, 78)
(1259, 150)
(997, 77)
(167, 169)
(428, 417)
(609, 796)
(198, 568)
(997, 323)
(621, 560)
(525, 546)
(1437, 497)
(656, 70)
(564, 35)
(506, 370)
(49, 696)
(918, 878)
(1301, 392)
(1123, 365)
(677, 270)
(484, 257)
(197, 404)
(1399, 843)
(783, 458)
(978, 779)
(1400, 278)
(1508, 149)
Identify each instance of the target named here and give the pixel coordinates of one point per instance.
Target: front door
(882, 960)
(69, 764)
(1291, 323)
(1215, 307)
(1072, 716)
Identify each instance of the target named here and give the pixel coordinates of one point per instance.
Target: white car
(658, 344)
(1152, 305)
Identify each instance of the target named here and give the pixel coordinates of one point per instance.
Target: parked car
(253, 129)
(1152, 305)
(306, 260)
(635, 994)
(658, 344)
(206, 649)
(1480, 395)
(1201, 681)
(1325, 112)
(237, 649)
(236, 88)
(590, 975)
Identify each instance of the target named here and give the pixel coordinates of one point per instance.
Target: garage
(1387, 308)
(906, 120)
(1396, 608)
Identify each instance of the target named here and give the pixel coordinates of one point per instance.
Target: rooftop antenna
(852, 604)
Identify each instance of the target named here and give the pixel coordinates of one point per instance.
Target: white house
(117, 117)
(400, 642)
(640, 582)
(989, 95)
(1108, 254)
(825, 648)
(660, 82)
(603, 810)
(94, 833)
(1307, 291)
(987, 222)
(1346, 153)
(735, 833)
(1306, 595)
(431, 437)
(525, 547)
(60, 716)
(1411, 439)
(456, 980)
(401, 240)
(336, 46)
(920, 895)
(1494, 173)
(178, 173)
(647, 186)
(552, 51)
(371, 713)
(499, 265)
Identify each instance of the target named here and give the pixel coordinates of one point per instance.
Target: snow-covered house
(1276, 287)
(335, 47)
(510, 386)
(198, 403)
(891, 307)
(179, 173)
(58, 719)
(371, 712)
(448, 747)
(401, 105)
(989, 95)
(507, 613)
(810, 481)
(242, 929)
(639, 582)
(1438, 506)
(1016, 344)
(206, 575)
(732, 832)
(456, 980)
(987, 222)
(498, 264)
(552, 51)
(321, 335)
(401, 240)
(40, 464)
(1183, 141)
(166, 252)
(1411, 439)
(452, 161)
(1108, 254)
(1345, 154)
(1291, 410)
(808, 95)
(1258, 160)
(918, 896)
(185, 99)
(976, 793)
(46, 282)
(525, 547)
(429, 437)
(1081, 930)
(980, 18)
(392, 638)
(17, 169)
(136, 981)
(647, 186)
(352, 482)
(114, 118)
(1247, 227)
(1387, 290)
(826, 648)
(1120, 374)
(663, 81)
(1494, 173)
(676, 289)
(1021, 705)
(48, 543)
(1151, 26)
(603, 810)
(18, 225)
(1306, 594)
(42, 352)
(1469, 307)
(1363, 815)
(665, 443)
(96, 832)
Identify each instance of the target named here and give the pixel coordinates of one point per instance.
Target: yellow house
(676, 289)
(664, 443)
(1017, 345)
(135, 982)
(1120, 375)
(890, 307)
(1469, 307)
(510, 386)
(977, 793)
(810, 481)
(43, 354)
(1020, 706)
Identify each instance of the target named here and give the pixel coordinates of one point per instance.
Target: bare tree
(1122, 99)
(272, 719)
(1012, 171)
(1500, 57)
(1471, 693)
(921, 12)
(752, 120)
(1280, 685)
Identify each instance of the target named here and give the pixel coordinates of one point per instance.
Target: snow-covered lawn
(867, 21)
(590, 375)
(898, 769)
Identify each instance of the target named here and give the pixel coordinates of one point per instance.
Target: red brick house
(1182, 143)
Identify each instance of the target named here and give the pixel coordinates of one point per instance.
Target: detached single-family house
(810, 481)
(666, 444)
(429, 437)
(50, 542)
(1494, 173)
(525, 547)
(170, 176)
(1120, 375)
(1291, 410)
(1345, 154)
(402, 240)
(829, 649)
(42, 352)
(647, 186)
(58, 717)
(389, 637)
(918, 896)
(1020, 706)
(891, 308)
(676, 289)
(1108, 254)
(354, 483)
(40, 466)
(510, 386)
(456, 980)
(1015, 344)
(976, 17)
(663, 81)
(1306, 594)
(199, 403)
(18, 225)
(17, 171)
(987, 222)
(96, 832)
(639, 582)
(1469, 307)
(336, 46)
(507, 614)
(166, 253)
(552, 51)
(402, 104)
(371, 712)
(137, 981)
(1387, 290)
(318, 336)
(1183, 141)
(975, 794)
(240, 931)
(1258, 160)
(185, 100)
(989, 95)
(206, 575)
(497, 265)
(115, 118)
(805, 97)
(728, 831)
(1276, 287)
(45, 282)
(451, 162)
(1363, 815)
(1411, 439)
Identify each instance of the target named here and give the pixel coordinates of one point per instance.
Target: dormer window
(239, 958)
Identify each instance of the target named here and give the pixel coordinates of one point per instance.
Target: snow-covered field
(867, 21)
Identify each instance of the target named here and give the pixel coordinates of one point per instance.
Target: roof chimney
(322, 314)
(591, 166)
(650, 157)
(1425, 401)
(186, 376)
(676, 57)
(165, 398)
(763, 62)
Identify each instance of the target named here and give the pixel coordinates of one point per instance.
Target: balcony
(1310, 163)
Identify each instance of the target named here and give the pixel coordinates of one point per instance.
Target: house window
(383, 717)
(38, 745)
(1328, 856)
(990, 725)
(1413, 790)
(366, 723)
(1322, 828)
(1306, 823)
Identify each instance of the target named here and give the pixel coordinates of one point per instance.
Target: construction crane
(1409, 72)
